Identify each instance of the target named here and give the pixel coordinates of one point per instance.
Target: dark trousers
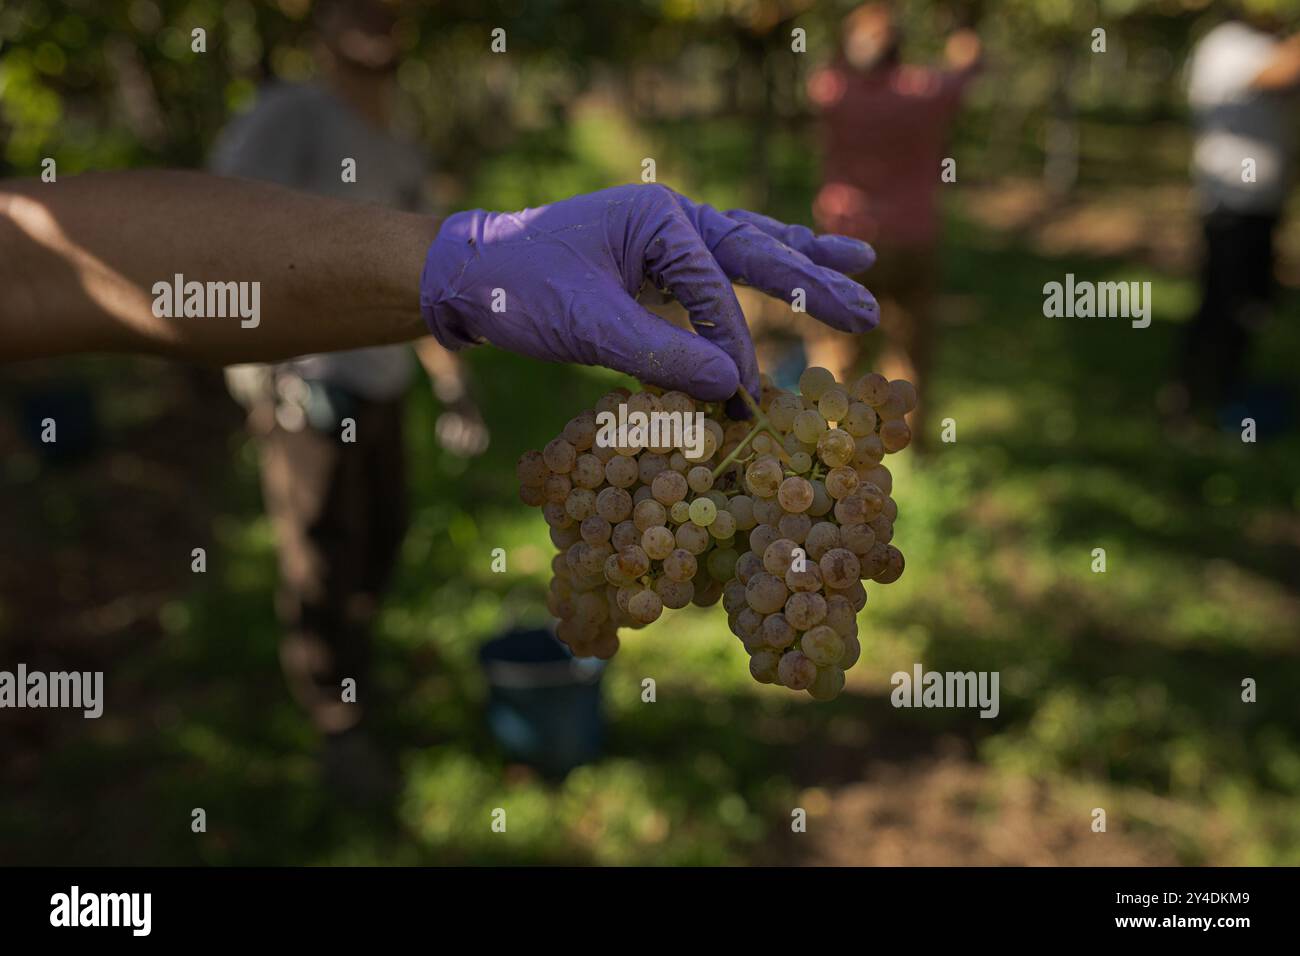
(339, 512)
(1236, 292)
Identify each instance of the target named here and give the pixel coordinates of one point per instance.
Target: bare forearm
(80, 259)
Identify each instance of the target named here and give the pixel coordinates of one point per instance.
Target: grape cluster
(781, 517)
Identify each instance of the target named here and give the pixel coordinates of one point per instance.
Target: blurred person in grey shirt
(1241, 78)
(338, 509)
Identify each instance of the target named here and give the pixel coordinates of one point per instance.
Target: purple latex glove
(564, 278)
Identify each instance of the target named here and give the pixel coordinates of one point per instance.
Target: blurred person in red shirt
(885, 126)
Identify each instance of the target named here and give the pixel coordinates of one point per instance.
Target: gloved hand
(563, 280)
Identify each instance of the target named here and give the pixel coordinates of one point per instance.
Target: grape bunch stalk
(781, 517)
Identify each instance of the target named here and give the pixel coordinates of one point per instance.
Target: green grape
(700, 479)
(680, 565)
(776, 632)
(796, 671)
(803, 576)
(613, 504)
(840, 568)
(814, 381)
(649, 514)
(827, 685)
(733, 596)
(835, 447)
(763, 477)
(860, 420)
(595, 529)
(800, 462)
(872, 388)
(795, 494)
(763, 665)
(822, 501)
(841, 482)
(658, 542)
(841, 617)
(858, 538)
(867, 451)
(645, 606)
(782, 411)
(742, 509)
(895, 435)
(678, 402)
(651, 466)
(621, 472)
(721, 564)
(805, 609)
(707, 592)
(563, 537)
(674, 594)
(532, 469)
(724, 526)
(580, 504)
(668, 487)
(882, 528)
(809, 426)
(559, 456)
(633, 562)
(748, 622)
(778, 555)
(893, 569)
(703, 512)
(761, 537)
(822, 645)
(532, 495)
(680, 512)
(625, 533)
(852, 651)
(903, 393)
(556, 515)
(768, 511)
(766, 593)
(693, 538)
(747, 566)
(557, 488)
(593, 562)
(879, 476)
(588, 472)
(833, 404)
(795, 527)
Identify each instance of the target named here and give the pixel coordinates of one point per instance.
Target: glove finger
(841, 253)
(609, 328)
(676, 257)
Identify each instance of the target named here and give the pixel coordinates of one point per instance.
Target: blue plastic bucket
(543, 703)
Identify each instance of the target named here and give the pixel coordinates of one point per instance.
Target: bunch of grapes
(781, 517)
